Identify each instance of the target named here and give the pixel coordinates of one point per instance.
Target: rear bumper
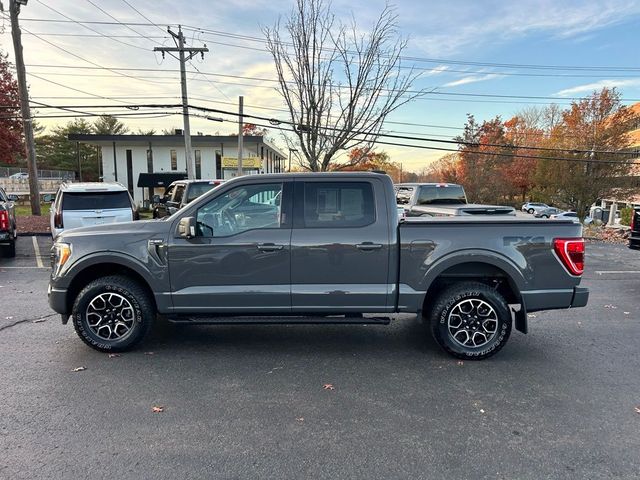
(580, 297)
(536, 300)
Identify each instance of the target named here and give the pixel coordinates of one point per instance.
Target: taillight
(57, 220)
(4, 220)
(571, 252)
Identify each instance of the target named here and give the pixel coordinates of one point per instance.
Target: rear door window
(95, 200)
(338, 204)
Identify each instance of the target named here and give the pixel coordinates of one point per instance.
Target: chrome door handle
(369, 246)
(269, 247)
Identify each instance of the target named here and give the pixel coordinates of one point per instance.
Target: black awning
(164, 179)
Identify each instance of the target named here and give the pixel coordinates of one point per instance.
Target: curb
(34, 234)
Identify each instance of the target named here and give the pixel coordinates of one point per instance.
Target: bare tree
(338, 83)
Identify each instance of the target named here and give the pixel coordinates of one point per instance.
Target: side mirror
(187, 227)
(156, 199)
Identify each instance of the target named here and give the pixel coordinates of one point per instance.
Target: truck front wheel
(112, 314)
(470, 320)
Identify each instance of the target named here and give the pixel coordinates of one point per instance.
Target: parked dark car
(634, 238)
(315, 248)
(441, 200)
(8, 225)
(179, 194)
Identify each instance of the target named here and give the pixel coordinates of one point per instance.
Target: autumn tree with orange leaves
(596, 124)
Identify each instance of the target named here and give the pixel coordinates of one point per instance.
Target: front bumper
(58, 300)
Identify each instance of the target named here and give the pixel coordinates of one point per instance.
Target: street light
(291, 150)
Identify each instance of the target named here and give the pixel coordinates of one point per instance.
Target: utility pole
(240, 132)
(178, 38)
(27, 123)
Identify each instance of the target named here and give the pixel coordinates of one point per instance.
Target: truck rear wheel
(470, 320)
(112, 314)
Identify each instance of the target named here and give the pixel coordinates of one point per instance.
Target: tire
(112, 314)
(544, 216)
(531, 210)
(470, 302)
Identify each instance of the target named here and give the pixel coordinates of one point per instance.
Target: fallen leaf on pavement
(114, 355)
(638, 409)
(157, 409)
(613, 307)
(481, 410)
(627, 313)
(531, 315)
(149, 353)
(300, 419)
(8, 318)
(328, 386)
(460, 362)
(79, 369)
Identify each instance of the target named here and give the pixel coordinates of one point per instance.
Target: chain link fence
(68, 175)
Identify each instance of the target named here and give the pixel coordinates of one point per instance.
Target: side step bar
(277, 320)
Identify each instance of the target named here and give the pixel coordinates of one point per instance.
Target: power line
(270, 80)
(118, 21)
(275, 122)
(498, 154)
(109, 37)
(600, 68)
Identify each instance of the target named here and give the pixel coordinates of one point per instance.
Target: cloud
(600, 84)
(436, 70)
(457, 27)
(472, 79)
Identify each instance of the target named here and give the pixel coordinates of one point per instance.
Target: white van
(90, 203)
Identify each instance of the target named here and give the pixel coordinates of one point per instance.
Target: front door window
(243, 208)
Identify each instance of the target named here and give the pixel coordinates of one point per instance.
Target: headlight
(60, 254)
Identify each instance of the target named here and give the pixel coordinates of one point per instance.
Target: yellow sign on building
(247, 162)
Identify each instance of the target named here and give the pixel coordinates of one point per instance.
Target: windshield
(441, 194)
(198, 189)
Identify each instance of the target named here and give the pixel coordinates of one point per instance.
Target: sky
(466, 52)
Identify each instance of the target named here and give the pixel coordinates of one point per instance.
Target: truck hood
(139, 228)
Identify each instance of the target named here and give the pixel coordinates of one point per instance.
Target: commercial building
(125, 157)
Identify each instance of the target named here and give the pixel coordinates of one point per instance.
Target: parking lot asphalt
(250, 401)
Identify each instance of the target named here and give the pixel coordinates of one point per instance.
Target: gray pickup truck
(442, 200)
(315, 248)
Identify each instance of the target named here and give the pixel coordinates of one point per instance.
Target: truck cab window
(338, 204)
(243, 208)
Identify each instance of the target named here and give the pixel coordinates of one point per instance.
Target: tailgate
(87, 218)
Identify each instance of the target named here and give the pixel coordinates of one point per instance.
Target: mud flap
(519, 316)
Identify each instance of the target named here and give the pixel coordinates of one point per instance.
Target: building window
(174, 160)
(198, 159)
(149, 161)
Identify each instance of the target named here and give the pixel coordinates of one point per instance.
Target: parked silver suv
(91, 203)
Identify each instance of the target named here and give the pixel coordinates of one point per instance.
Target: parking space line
(36, 250)
(605, 272)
